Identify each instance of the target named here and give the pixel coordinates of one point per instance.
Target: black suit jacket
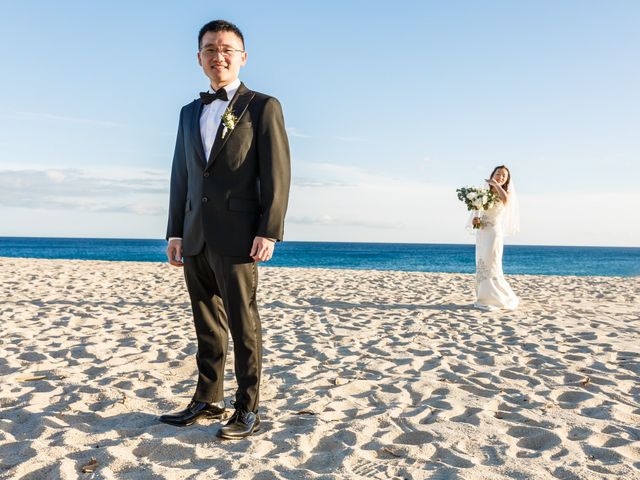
(243, 190)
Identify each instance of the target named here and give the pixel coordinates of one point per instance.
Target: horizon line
(328, 241)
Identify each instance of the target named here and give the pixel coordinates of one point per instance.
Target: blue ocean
(518, 259)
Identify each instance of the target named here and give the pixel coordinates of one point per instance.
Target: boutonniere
(229, 121)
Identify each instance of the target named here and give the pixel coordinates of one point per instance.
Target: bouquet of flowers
(477, 200)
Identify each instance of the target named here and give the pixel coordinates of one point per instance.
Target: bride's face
(500, 176)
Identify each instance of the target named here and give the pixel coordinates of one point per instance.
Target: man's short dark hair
(220, 26)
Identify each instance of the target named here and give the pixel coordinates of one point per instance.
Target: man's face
(221, 55)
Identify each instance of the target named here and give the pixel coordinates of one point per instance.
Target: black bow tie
(207, 97)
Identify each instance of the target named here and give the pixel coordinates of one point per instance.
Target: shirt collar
(231, 88)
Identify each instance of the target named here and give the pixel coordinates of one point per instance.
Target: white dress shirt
(212, 116)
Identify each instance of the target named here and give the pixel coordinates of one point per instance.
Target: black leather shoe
(241, 424)
(193, 412)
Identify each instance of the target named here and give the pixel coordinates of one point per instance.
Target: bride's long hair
(506, 184)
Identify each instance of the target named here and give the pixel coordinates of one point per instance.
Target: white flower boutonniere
(229, 120)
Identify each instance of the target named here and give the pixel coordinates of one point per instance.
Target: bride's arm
(504, 195)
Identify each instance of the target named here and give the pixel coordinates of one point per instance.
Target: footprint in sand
(470, 415)
(414, 438)
(362, 468)
(579, 433)
(573, 398)
(563, 474)
(449, 458)
(533, 438)
(493, 455)
(604, 456)
(162, 452)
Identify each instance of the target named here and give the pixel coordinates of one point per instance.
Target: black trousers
(223, 299)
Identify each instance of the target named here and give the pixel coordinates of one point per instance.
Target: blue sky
(389, 106)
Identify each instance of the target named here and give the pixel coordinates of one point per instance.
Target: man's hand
(174, 252)
(262, 249)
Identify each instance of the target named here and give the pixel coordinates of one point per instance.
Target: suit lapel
(195, 130)
(238, 106)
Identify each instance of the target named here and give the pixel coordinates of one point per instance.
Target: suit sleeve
(275, 170)
(178, 185)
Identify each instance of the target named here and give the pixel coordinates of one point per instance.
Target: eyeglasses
(226, 52)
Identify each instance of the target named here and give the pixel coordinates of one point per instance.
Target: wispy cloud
(65, 118)
(296, 133)
(330, 220)
(320, 182)
(327, 174)
(352, 139)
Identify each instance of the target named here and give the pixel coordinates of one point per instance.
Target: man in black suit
(229, 191)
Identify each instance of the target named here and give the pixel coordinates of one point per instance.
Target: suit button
(206, 174)
(205, 199)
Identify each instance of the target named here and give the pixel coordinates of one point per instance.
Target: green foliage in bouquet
(477, 198)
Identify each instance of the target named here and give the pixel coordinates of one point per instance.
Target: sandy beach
(367, 374)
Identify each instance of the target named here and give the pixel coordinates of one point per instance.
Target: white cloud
(139, 192)
(593, 219)
(56, 176)
(345, 203)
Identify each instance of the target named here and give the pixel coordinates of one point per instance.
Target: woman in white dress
(492, 290)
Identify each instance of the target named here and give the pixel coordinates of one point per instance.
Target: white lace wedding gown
(492, 290)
